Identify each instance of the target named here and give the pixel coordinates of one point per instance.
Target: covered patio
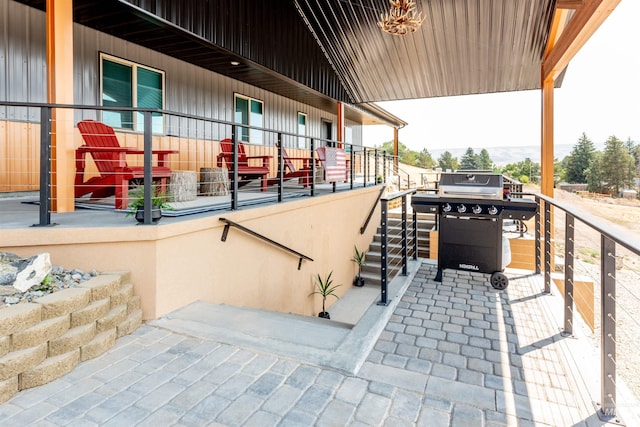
(506, 366)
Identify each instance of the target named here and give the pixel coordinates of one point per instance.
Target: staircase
(371, 267)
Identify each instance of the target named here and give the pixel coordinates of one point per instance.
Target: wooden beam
(59, 28)
(559, 21)
(569, 4)
(546, 154)
(582, 25)
(396, 150)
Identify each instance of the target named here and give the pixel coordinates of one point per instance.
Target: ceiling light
(401, 18)
(235, 63)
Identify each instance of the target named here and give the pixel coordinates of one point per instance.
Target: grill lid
(476, 185)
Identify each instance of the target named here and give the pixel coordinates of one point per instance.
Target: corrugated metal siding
(189, 89)
(23, 37)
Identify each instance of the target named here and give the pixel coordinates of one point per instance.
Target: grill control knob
(462, 208)
(446, 207)
(477, 209)
(493, 210)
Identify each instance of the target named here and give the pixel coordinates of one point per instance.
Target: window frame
(249, 135)
(137, 125)
(302, 138)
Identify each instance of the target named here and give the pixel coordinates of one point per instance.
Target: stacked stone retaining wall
(45, 339)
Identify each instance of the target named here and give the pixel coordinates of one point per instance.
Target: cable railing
(393, 245)
(261, 165)
(611, 308)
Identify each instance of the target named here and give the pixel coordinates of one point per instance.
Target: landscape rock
(58, 279)
(32, 271)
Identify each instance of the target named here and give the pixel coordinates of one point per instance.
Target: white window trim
(134, 85)
(302, 140)
(249, 99)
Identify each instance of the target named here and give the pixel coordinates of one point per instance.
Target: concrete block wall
(45, 339)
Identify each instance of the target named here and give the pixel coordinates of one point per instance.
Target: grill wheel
(499, 281)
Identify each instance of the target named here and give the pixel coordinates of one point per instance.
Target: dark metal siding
(267, 32)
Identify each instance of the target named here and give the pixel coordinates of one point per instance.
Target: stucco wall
(178, 262)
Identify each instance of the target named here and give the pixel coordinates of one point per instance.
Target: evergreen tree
(484, 161)
(424, 159)
(447, 161)
(469, 160)
(579, 160)
(618, 166)
(595, 178)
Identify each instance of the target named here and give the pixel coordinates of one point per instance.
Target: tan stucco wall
(174, 264)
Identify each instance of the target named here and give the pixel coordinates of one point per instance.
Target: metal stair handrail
(229, 223)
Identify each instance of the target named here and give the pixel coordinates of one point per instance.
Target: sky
(600, 96)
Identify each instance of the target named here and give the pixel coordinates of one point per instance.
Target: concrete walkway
(455, 353)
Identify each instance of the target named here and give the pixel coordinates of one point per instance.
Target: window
(126, 84)
(249, 112)
(302, 130)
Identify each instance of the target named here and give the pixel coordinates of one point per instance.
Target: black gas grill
(469, 210)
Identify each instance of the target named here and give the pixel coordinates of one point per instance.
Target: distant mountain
(504, 155)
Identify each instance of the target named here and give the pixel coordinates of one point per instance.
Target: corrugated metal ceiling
(338, 53)
(463, 47)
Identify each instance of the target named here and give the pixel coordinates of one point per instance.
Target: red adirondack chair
(304, 173)
(246, 173)
(110, 158)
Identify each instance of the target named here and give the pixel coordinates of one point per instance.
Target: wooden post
(59, 28)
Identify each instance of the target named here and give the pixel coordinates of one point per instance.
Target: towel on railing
(335, 164)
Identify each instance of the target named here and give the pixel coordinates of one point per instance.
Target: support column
(340, 113)
(59, 27)
(546, 155)
(396, 150)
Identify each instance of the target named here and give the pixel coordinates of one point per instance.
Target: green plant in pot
(158, 203)
(325, 288)
(358, 258)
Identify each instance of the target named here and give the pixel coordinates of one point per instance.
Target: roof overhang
(321, 52)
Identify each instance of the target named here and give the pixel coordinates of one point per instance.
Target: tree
(447, 161)
(469, 160)
(618, 166)
(524, 171)
(424, 159)
(579, 160)
(484, 161)
(595, 178)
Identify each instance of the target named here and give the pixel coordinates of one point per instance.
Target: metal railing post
(376, 167)
(404, 235)
(280, 167)
(538, 255)
(415, 235)
(148, 164)
(568, 274)
(313, 168)
(352, 166)
(383, 252)
(547, 248)
(45, 167)
(366, 165)
(234, 168)
(608, 337)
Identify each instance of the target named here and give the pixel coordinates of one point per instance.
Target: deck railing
(403, 243)
(618, 315)
(31, 128)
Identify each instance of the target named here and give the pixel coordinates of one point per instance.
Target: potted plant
(158, 202)
(358, 258)
(325, 288)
